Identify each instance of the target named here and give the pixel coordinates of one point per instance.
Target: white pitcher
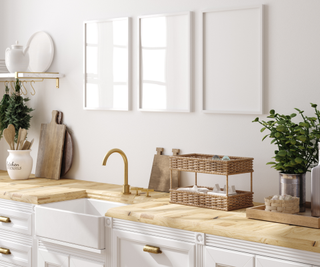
(19, 164)
(16, 59)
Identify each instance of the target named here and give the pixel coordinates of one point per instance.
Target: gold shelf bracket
(43, 78)
(32, 78)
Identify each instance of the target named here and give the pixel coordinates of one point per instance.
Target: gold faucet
(126, 186)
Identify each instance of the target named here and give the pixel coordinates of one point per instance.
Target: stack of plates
(3, 68)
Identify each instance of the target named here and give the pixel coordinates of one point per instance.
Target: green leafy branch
(13, 110)
(297, 142)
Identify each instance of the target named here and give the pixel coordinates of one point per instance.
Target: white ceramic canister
(16, 59)
(19, 164)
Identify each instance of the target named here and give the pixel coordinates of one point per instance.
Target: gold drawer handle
(5, 219)
(5, 251)
(151, 249)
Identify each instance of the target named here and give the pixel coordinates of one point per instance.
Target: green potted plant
(17, 112)
(297, 150)
(3, 108)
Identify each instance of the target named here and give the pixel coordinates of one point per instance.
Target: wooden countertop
(41, 191)
(157, 210)
(233, 224)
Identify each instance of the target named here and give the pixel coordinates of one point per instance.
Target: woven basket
(242, 199)
(282, 206)
(203, 163)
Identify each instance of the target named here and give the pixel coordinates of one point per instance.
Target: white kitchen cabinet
(20, 222)
(124, 244)
(215, 257)
(20, 254)
(52, 259)
(48, 258)
(16, 234)
(62, 254)
(78, 262)
(270, 262)
(185, 248)
(129, 251)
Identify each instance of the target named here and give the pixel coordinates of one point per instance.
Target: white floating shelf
(31, 75)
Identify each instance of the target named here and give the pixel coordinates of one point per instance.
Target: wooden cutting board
(67, 157)
(50, 150)
(160, 173)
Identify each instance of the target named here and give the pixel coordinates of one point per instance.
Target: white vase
(19, 164)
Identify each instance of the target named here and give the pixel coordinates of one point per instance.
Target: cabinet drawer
(20, 222)
(20, 255)
(129, 251)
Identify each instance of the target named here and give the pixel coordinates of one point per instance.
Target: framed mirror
(164, 62)
(106, 64)
(232, 54)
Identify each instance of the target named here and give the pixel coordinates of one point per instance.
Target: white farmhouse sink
(79, 221)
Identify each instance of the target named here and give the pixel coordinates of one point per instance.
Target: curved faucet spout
(126, 186)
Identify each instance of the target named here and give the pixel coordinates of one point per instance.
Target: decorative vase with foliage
(297, 151)
(17, 112)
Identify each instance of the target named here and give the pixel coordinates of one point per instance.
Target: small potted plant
(297, 150)
(16, 114)
(3, 108)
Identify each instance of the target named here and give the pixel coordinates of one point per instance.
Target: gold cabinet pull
(5, 219)
(152, 249)
(5, 251)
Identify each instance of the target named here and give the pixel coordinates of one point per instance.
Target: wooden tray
(300, 219)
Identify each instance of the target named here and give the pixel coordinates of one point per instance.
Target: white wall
(291, 62)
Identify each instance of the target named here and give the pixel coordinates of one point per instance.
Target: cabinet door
(78, 262)
(129, 251)
(20, 222)
(270, 262)
(47, 258)
(20, 255)
(216, 257)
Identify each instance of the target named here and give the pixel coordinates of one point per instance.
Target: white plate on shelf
(41, 52)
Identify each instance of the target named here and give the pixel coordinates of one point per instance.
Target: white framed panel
(106, 69)
(270, 262)
(227, 258)
(165, 62)
(21, 255)
(48, 258)
(232, 60)
(78, 262)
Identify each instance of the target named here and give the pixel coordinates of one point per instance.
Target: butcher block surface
(41, 191)
(157, 210)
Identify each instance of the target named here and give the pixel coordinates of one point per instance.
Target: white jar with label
(19, 164)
